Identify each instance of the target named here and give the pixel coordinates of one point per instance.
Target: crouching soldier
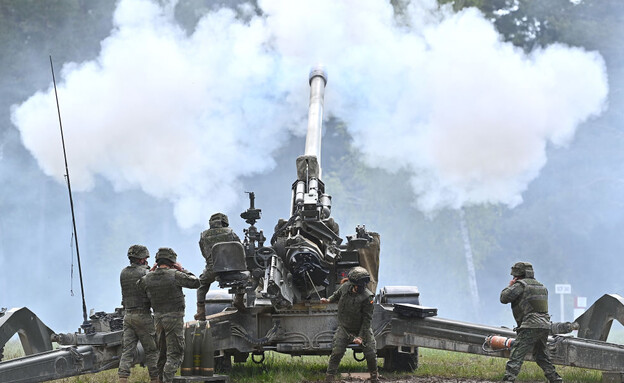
(164, 288)
(355, 313)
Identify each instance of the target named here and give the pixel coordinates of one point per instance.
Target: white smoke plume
(184, 116)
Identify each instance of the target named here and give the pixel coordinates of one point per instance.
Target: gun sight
(252, 214)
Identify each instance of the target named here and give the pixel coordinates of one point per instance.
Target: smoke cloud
(183, 116)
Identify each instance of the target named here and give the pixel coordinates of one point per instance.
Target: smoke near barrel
(184, 116)
(172, 119)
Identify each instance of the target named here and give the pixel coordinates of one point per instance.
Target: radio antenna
(71, 201)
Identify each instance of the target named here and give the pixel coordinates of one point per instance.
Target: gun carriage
(281, 283)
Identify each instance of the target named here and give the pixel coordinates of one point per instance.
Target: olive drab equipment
(132, 297)
(304, 240)
(359, 276)
(522, 270)
(166, 253)
(219, 220)
(138, 251)
(534, 299)
(165, 294)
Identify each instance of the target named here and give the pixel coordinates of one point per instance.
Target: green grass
(286, 369)
(283, 368)
(12, 349)
(459, 365)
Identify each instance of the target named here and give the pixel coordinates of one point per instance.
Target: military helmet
(219, 218)
(359, 276)
(166, 253)
(522, 269)
(138, 251)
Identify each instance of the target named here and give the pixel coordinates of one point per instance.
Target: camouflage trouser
(138, 327)
(530, 340)
(170, 341)
(205, 279)
(342, 338)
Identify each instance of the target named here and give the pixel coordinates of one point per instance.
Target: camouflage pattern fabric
(206, 278)
(131, 296)
(355, 313)
(529, 303)
(343, 338)
(207, 240)
(170, 341)
(210, 237)
(530, 340)
(355, 310)
(138, 327)
(138, 324)
(164, 288)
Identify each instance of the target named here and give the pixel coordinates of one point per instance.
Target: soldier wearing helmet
(138, 323)
(529, 304)
(355, 313)
(217, 233)
(164, 289)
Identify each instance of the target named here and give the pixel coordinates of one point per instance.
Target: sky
(174, 124)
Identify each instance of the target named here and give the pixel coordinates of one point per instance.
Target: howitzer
(282, 312)
(77, 354)
(306, 258)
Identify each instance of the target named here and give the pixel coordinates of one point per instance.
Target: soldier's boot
(374, 377)
(201, 311)
(555, 380)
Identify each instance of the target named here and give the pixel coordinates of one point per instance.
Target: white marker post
(561, 290)
(580, 305)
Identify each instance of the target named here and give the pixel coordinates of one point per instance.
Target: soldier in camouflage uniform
(355, 313)
(164, 288)
(138, 323)
(529, 303)
(218, 232)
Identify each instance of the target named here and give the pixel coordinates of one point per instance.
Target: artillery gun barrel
(318, 80)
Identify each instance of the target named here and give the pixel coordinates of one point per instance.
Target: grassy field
(280, 368)
(287, 369)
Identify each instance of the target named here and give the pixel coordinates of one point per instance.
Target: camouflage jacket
(164, 289)
(133, 298)
(355, 310)
(529, 303)
(212, 236)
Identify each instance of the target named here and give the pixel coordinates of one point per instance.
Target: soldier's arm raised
(511, 293)
(185, 278)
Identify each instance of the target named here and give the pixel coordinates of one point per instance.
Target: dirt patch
(363, 377)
